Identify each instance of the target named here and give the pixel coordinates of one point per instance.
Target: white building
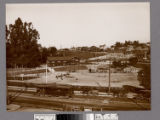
(131, 69)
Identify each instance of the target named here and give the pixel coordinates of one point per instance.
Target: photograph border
(123, 115)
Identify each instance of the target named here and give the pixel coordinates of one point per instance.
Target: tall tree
(22, 47)
(127, 43)
(136, 43)
(118, 44)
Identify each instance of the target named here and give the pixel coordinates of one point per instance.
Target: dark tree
(118, 44)
(116, 64)
(52, 51)
(94, 49)
(133, 60)
(127, 43)
(44, 54)
(144, 76)
(22, 47)
(136, 43)
(84, 48)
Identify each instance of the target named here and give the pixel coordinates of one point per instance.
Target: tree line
(134, 43)
(22, 48)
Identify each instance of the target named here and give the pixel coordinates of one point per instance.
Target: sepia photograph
(78, 57)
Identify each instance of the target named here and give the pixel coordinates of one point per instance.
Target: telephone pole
(109, 84)
(46, 73)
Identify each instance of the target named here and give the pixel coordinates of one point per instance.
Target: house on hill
(142, 53)
(129, 49)
(61, 61)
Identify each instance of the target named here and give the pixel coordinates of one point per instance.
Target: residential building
(131, 69)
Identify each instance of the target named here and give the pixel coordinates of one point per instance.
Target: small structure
(105, 69)
(60, 61)
(131, 69)
(102, 69)
(129, 48)
(92, 69)
(124, 61)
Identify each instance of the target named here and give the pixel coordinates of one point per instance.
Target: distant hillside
(80, 54)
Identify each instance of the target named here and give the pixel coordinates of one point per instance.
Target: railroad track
(63, 103)
(28, 96)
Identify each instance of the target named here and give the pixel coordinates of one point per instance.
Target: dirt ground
(84, 78)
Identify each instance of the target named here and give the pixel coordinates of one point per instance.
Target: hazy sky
(84, 24)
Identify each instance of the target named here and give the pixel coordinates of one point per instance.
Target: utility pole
(22, 73)
(8, 99)
(46, 73)
(109, 84)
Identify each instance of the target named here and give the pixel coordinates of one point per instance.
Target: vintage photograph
(78, 57)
